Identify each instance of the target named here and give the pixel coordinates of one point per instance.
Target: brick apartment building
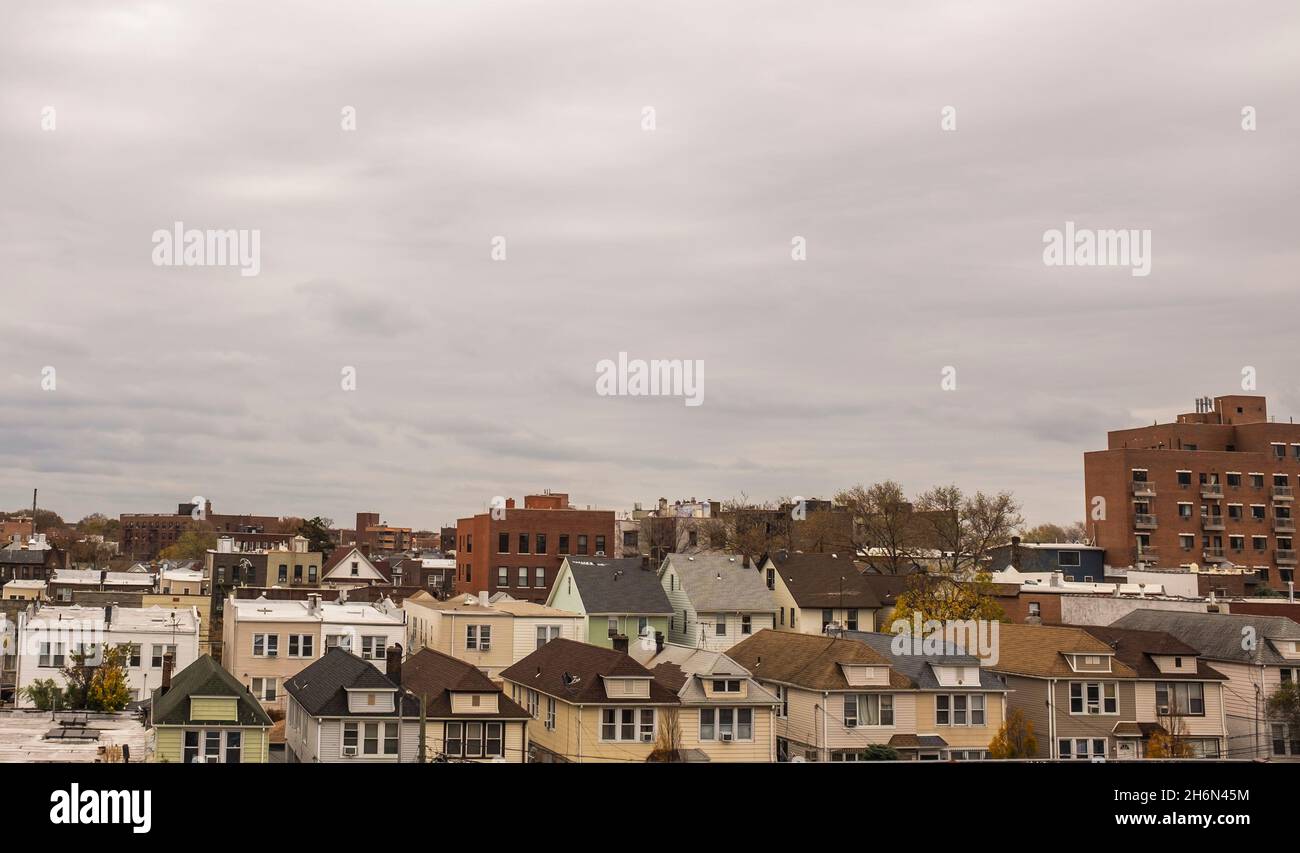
(1216, 486)
(382, 538)
(143, 535)
(521, 552)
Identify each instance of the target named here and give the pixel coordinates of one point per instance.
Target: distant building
(143, 535)
(1077, 562)
(519, 550)
(1216, 486)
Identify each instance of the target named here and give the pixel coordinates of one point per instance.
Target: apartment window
(539, 577)
(469, 543)
(724, 685)
(373, 648)
(534, 699)
(600, 544)
(338, 641)
(550, 713)
(1257, 481)
(720, 625)
(1259, 543)
(643, 626)
(1084, 748)
(546, 633)
(234, 747)
(1184, 478)
(1182, 698)
(564, 543)
(1186, 541)
(1234, 511)
(264, 689)
(582, 543)
(782, 693)
(297, 573)
(1279, 451)
(1068, 558)
(1280, 480)
(157, 652)
(1237, 543)
(959, 709)
(611, 625)
(1094, 697)
(746, 624)
(302, 646)
(478, 637)
(627, 724)
(134, 654)
(629, 540)
(51, 655)
(503, 576)
(726, 724)
(868, 709)
(540, 541)
(453, 742)
(1234, 481)
(1184, 511)
(771, 578)
(356, 568)
(503, 543)
(1035, 609)
(523, 543)
(282, 574)
(523, 577)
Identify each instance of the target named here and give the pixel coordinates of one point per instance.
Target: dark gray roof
(1219, 636)
(22, 557)
(205, 677)
(321, 688)
(619, 586)
(918, 667)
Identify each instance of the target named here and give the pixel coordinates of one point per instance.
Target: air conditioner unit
(272, 654)
(349, 752)
(646, 737)
(726, 736)
(1164, 709)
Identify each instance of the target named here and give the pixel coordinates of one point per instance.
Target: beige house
(467, 716)
(842, 696)
(816, 591)
(1257, 654)
(590, 704)
(265, 642)
(490, 634)
(24, 590)
(725, 714)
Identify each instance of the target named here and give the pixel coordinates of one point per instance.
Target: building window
(136, 648)
(282, 575)
(720, 625)
(1083, 748)
(627, 724)
(600, 544)
(541, 543)
(234, 747)
(478, 637)
(158, 652)
(51, 655)
(582, 543)
(724, 685)
(1182, 698)
(338, 641)
(264, 689)
(1035, 609)
(302, 646)
(1093, 697)
(1234, 481)
(503, 576)
(726, 724)
(746, 624)
(828, 619)
(523, 577)
(868, 709)
(546, 633)
(959, 709)
(373, 648)
(550, 713)
(539, 577)
(564, 543)
(783, 694)
(503, 543)
(523, 543)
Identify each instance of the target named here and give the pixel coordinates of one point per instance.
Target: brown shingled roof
(437, 676)
(808, 660)
(544, 671)
(1135, 648)
(1039, 651)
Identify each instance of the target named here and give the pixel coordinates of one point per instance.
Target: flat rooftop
(153, 618)
(296, 610)
(23, 738)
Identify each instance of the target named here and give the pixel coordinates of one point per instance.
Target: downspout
(825, 750)
(1051, 718)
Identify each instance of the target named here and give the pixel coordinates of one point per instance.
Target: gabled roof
(366, 571)
(1039, 651)
(322, 687)
(1219, 636)
(618, 586)
(825, 580)
(720, 583)
(919, 669)
(808, 660)
(680, 668)
(205, 677)
(437, 676)
(545, 669)
(1136, 649)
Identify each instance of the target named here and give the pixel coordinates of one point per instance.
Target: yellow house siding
(215, 708)
(762, 747)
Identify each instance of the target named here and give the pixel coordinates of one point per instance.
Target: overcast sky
(476, 377)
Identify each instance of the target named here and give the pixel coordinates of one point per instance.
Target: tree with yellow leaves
(1015, 739)
(108, 689)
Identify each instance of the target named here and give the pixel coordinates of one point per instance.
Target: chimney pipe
(168, 662)
(394, 668)
(1015, 553)
(620, 643)
(659, 641)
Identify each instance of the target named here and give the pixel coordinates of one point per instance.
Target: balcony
(1143, 488)
(1149, 555)
(1212, 553)
(1144, 522)
(1212, 522)
(1284, 556)
(1283, 493)
(1284, 525)
(1213, 491)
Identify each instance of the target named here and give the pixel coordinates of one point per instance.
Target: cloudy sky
(476, 377)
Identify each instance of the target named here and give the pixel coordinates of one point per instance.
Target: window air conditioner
(646, 737)
(349, 752)
(726, 736)
(1164, 709)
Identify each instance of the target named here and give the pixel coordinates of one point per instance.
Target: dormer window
(726, 685)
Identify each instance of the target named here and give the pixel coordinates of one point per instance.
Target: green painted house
(616, 597)
(205, 715)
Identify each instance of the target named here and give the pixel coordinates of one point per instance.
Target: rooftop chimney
(168, 663)
(1015, 553)
(620, 643)
(394, 668)
(659, 641)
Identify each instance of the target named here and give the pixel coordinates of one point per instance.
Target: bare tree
(885, 527)
(965, 528)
